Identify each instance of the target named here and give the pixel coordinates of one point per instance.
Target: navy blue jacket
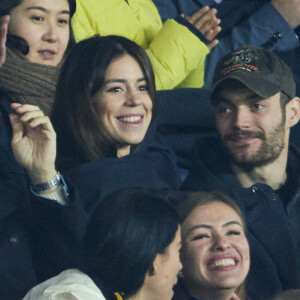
(17, 273)
(36, 234)
(273, 225)
(153, 166)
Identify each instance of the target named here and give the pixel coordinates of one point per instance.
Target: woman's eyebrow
(231, 223)
(210, 227)
(200, 226)
(122, 80)
(41, 8)
(114, 80)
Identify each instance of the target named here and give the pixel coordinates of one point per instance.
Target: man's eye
(223, 110)
(257, 107)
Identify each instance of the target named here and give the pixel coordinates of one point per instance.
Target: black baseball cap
(261, 70)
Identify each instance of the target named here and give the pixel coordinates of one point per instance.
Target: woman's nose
(133, 98)
(221, 243)
(50, 34)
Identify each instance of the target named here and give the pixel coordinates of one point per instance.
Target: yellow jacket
(177, 55)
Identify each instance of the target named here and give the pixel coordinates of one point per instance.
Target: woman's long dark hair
(81, 136)
(125, 233)
(17, 43)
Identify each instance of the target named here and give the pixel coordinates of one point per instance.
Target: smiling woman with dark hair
(105, 100)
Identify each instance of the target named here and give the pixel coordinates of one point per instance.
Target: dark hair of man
(17, 43)
(125, 233)
(75, 115)
(191, 200)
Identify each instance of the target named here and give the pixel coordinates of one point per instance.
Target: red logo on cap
(245, 67)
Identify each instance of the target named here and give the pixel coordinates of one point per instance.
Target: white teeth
(131, 119)
(223, 263)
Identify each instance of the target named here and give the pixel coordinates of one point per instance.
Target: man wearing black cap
(255, 106)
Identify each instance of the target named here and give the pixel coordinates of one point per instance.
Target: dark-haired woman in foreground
(131, 248)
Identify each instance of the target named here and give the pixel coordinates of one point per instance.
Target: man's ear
(292, 112)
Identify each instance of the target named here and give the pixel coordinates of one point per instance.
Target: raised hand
(33, 142)
(3, 33)
(206, 21)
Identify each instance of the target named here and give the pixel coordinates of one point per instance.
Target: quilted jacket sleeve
(177, 56)
(176, 53)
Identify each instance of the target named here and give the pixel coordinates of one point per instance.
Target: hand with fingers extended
(206, 21)
(33, 142)
(3, 34)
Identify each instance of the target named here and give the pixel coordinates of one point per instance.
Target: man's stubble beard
(268, 151)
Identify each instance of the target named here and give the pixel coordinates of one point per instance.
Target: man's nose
(242, 118)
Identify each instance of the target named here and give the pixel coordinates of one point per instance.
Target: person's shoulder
(70, 283)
